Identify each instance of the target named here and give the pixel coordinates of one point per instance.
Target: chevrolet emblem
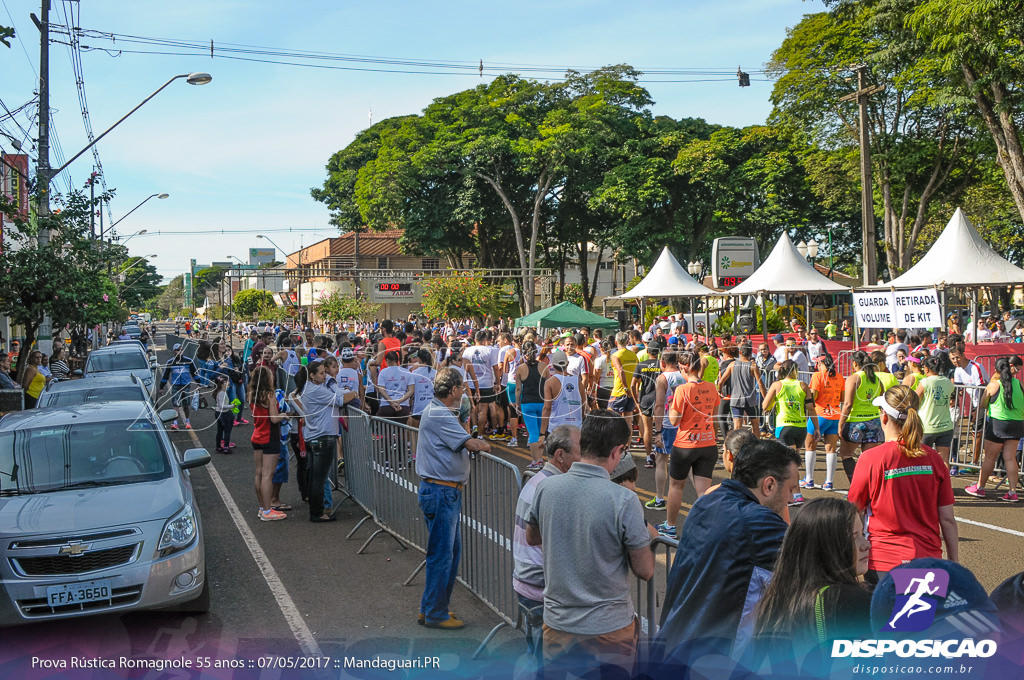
(74, 548)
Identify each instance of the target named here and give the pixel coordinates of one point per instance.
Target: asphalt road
(298, 589)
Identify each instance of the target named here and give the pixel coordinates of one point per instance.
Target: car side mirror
(194, 458)
(77, 373)
(168, 415)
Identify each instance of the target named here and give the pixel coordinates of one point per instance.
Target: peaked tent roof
(667, 278)
(959, 257)
(786, 271)
(565, 315)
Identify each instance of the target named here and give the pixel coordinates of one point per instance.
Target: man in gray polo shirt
(442, 462)
(598, 533)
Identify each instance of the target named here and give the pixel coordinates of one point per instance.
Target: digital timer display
(732, 281)
(393, 287)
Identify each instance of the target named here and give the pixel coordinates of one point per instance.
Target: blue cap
(673, 340)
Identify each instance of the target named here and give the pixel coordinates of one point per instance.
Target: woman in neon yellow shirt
(1004, 429)
(859, 425)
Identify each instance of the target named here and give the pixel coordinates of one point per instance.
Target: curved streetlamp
(160, 196)
(191, 79)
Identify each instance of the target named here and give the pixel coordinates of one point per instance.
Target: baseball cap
(673, 340)
(779, 338)
(176, 347)
(655, 346)
(625, 465)
(559, 359)
(348, 354)
(648, 336)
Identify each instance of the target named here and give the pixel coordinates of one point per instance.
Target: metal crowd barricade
(968, 427)
(380, 476)
(844, 362)
(12, 400)
(650, 595)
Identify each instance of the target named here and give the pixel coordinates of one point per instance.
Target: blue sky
(242, 152)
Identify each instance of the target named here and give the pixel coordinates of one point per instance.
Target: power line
(18, 36)
(69, 8)
(366, 63)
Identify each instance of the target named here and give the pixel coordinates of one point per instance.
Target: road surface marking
(993, 527)
(300, 630)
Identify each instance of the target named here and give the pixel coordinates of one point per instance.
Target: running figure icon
(916, 604)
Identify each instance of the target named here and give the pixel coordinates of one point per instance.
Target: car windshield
(116, 361)
(80, 455)
(72, 397)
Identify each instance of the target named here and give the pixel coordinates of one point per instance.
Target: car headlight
(178, 533)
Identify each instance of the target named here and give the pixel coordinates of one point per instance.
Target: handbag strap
(819, 615)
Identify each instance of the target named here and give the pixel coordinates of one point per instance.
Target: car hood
(78, 510)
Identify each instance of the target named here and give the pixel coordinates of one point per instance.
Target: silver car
(113, 387)
(99, 514)
(125, 358)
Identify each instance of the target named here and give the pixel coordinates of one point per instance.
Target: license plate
(77, 593)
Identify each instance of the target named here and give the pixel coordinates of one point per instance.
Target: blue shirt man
(442, 461)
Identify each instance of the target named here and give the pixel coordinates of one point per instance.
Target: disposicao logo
(914, 610)
(918, 594)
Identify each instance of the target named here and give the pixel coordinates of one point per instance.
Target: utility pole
(44, 335)
(867, 202)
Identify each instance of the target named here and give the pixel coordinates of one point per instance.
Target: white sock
(830, 467)
(809, 457)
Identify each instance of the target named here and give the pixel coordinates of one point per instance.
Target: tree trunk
(26, 349)
(518, 232)
(1005, 134)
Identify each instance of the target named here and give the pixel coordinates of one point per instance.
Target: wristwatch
(657, 432)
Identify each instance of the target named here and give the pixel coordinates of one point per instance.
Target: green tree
(336, 306)
(922, 144)
(138, 282)
(6, 33)
(463, 294)
(979, 46)
(248, 303)
(65, 278)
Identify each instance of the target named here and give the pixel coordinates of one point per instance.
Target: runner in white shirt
(563, 398)
(508, 362)
(396, 386)
(481, 356)
(423, 373)
(605, 374)
(350, 377)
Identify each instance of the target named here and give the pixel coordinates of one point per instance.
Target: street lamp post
(808, 250)
(298, 297)
(44, 172)
(111, 227)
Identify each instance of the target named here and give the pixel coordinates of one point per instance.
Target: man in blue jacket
(727, 550)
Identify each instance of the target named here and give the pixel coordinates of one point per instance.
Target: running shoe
(655, 504)
(973, 490)
(954, 471)
(535, 466)
(649, 463)
(798, 499)
(244, 421)
(235, 424)
(188, 425)
(272, 515)
(174, 425)
(1010, 497)
(512, 442)
(665, 530)
(807, 483)
(827, 486)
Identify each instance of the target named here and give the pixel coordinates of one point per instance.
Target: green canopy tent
(565, 315)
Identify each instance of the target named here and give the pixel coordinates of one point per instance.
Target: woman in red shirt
(903, 488)
(266, 439)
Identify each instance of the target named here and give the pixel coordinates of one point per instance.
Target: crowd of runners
(590, 406)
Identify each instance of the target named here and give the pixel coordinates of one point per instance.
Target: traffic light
(744, 78)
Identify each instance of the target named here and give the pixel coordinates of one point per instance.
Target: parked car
(115, 387)
(100, 514)
(124, 358)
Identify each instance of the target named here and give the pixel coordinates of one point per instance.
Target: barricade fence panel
(394, 481)
(355, 448)
(12, 400)
(650, 595)
(969, 423)
(488, 524)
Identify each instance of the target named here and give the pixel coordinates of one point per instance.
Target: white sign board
(898, 309)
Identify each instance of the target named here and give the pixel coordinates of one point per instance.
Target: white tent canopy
(959, 257)
(667, 279)
(786, 271)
